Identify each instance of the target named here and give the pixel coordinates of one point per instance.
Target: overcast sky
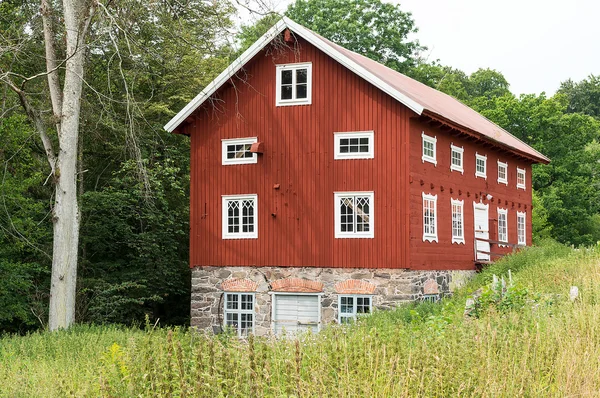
(536, 44)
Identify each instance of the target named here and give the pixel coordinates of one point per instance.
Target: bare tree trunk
(66, 209)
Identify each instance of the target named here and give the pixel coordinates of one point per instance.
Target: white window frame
(478, 173)
(237, 141)
(521, 186)
(523, 241)
(353, 315)
(294, 100)
(460, 150)
(456, 238)
(337, 214)
(239, 311)
(432, 140)
(430, 237)
(338, 136)
(503, 165)
(225, 217)
(503, 212)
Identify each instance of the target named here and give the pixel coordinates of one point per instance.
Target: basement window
(480, 166)
(428, 146)
(502, 173)
(240, 217)
(354, 214)
(520, 178)
(352, 306)
(353, 145)
(239, 313)
(430, 298)
(294, 84)
(237, 151)
(430, 218)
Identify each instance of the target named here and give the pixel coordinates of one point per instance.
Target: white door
(296, 313)
(481, 229)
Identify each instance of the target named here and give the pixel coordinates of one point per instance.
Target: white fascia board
(353, 66)
(231, 70)
(266, 39)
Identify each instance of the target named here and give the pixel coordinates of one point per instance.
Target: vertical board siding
(444, 254)
(298, 155)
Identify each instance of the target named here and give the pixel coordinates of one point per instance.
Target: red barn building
(324, 185)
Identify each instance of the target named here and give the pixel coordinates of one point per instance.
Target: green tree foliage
(584, 96)
(373, 28)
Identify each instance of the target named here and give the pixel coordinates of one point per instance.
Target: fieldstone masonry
(389, 287)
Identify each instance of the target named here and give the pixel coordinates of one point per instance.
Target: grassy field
(526, 340)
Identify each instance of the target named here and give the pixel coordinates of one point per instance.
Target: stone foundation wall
(389, 287)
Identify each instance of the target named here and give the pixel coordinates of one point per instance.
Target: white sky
(536, 44)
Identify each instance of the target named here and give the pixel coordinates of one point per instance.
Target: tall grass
(545, 348)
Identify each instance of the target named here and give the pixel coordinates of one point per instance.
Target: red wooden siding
(299, 155)
(444, 254)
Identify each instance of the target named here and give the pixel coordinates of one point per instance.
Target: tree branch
(52, 66)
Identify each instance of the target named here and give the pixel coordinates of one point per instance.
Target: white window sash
(522, 220)
(504, 166)
(338, 136)
(503, 229)
(458, 239)
(428, 235)
(237, 141)
(477, 172)
(460, 150)
(294, 100)
(225, 217)
(339, 234)
(354, 314)
(239, 311)
(432, 140)
(519, 185)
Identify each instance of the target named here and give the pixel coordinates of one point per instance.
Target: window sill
(505, 182)
(455, 168)
(354, 236)
(430, 238)
(240, 236)
(293, 102)
(458, 241)
(429, 160)
(481, 176)
(521, 187)
(354, 157)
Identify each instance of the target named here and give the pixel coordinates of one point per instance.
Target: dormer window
(294, 84)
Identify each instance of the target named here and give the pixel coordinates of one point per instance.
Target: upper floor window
(354, 214)
(480, 166)
(237, 151)
(429, 218)
(353, 306)
(502, 225)
(240, 217)
(239, 312)
(502, 173)
(294, 84)
(456, 158)
(458, 232)
(520, 178)
(428, 145)
(354, 145)
(521, 237)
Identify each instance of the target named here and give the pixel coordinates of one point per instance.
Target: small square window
(502, 173)
(240, 217)
(294, 84)
(237, 151)
(428, 149)
(520, 178)
(480, 166)
(355, 145)
(239, 318)
(352, 306)
(456, 158)
(354, 215)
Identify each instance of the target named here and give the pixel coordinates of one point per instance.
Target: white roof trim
(266, 39)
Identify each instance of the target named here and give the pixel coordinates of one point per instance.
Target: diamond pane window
(240, 217)
(239, 312)
(353, 306)
(237, 151)
(294, 84)
(354, 215)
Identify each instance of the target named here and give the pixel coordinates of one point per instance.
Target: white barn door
(296, 313)
(482, 229)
